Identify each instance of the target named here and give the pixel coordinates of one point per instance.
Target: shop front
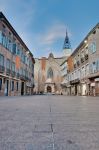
(74, 86)
(94, 86)
(97, 86)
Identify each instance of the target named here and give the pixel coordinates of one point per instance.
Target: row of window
(91, 48)
(84, 71)
(80, 55)
(78, 74)
(94, 67)
(11, 66)
(14, 48)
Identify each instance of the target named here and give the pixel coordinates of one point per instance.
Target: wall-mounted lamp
(85, 41)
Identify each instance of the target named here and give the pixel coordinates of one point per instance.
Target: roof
(63, 62)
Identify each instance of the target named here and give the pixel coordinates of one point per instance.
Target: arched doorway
(49, 89)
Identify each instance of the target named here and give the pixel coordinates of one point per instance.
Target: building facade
(48, 74)
(16, 62)
(94, 61)
(83, 66)
(67, 51)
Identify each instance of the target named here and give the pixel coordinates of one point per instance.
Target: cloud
(22, 15)
(44, 41)
(53, 33)
(48, 40)
(41, 44)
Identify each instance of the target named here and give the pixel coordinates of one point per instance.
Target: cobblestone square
(49, 123)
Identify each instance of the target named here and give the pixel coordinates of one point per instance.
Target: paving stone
(49, 123)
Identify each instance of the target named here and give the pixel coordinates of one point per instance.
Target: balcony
(82, 59)
(2, 69)
(8, 71)
(86, 56)
(13, 73)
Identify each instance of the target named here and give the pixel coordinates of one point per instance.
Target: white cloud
(22, 14)
(53, 33)
(42, 44)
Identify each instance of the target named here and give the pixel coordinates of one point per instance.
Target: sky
(42, 24)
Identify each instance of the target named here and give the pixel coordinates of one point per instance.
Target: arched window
(50, 73)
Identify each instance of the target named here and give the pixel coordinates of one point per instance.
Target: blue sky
(42, 23)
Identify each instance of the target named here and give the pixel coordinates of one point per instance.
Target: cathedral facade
(48, 73)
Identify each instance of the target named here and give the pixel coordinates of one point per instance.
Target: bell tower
(67, 46)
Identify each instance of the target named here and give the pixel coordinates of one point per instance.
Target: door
(22, 88)
(75, 89)
(0, 84)
(6, 88)
(49, 89)
(84, 89)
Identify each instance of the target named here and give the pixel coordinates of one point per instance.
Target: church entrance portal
(49, 89)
